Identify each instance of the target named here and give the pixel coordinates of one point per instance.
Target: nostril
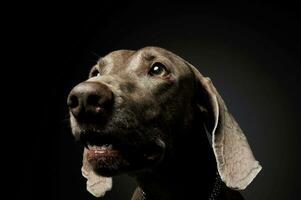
(93, 100)
(72, 101)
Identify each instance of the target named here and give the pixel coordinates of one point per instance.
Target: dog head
(133, 102)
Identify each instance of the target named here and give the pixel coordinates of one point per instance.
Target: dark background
(250, 50)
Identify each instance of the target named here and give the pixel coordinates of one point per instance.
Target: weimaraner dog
(154, 116)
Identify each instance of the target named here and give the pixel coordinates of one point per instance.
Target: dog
(154, 116)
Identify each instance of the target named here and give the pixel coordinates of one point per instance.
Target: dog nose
(89, 99)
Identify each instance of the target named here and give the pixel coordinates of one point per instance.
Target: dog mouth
(110, 155)
(106, 146)
(103, 151)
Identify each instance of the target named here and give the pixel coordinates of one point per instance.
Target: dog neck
(152, 187)
(188, 171)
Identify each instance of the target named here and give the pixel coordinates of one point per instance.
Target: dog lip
(90, 139)
(102, 147)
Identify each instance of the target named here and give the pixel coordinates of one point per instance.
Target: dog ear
(235, 161)
(96, 185)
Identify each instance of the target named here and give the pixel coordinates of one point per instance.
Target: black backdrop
(250, 50)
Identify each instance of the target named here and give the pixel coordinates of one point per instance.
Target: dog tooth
(99, 151)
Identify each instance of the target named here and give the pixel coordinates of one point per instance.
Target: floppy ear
(96, 185)
(235, 161)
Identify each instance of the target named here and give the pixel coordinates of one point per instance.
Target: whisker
(95, 54)
(66, 120)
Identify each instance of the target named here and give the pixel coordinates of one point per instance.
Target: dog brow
(148, 56)
(101, 62)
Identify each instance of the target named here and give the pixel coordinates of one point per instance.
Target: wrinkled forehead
(123, 60)
(116, 58)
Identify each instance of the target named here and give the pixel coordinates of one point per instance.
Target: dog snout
(89, 99)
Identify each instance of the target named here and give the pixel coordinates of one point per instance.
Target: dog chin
(106, 160)
(109, 170)
(117, 167)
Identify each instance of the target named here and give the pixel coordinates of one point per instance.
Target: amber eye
(157, 69)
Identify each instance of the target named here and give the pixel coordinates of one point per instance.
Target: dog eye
(95, 73)
(157, 69)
